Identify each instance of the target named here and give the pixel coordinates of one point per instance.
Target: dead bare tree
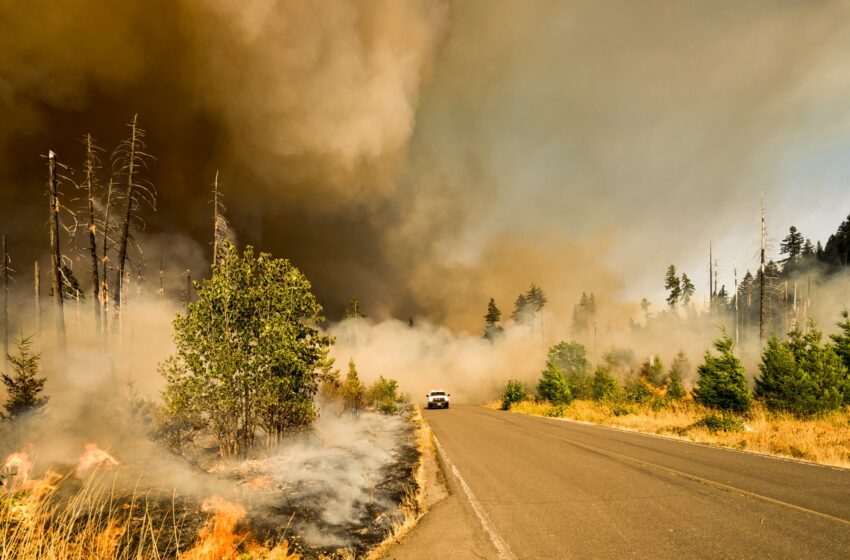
(89, 185)
(56, 253)
(104, 245)
(219, 223)
(129, 161)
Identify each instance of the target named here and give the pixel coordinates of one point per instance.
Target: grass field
(824, 440)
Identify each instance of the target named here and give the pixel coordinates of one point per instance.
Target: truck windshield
(438, 393)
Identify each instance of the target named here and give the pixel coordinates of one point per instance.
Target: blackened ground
(298, 511)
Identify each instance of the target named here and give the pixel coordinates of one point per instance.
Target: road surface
(528, 487)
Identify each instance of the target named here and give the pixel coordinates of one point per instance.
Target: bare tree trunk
(90, 165)
(37, 286)
(5, 256)
(56, 260)
(128, 216)
(105, 258)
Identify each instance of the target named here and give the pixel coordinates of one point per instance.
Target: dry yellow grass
(96, 523)
(823, 440)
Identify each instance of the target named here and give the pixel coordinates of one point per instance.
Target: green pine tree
(801, 375)
(351, 390)
(24, 386)
(553, 386)
(680, 368)
(673, 285)
(353, 310)
(687, 289)
(605, 387)
(841, 346)
(722, 383)
(652, 371)
(492, 327)
(514, 392)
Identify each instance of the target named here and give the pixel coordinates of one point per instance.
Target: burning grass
(305, 500)
(824, 440)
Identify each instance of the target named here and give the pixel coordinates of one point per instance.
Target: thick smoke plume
(386, 146)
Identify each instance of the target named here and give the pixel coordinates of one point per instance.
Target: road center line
(501, 546)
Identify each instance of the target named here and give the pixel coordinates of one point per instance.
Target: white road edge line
(501, 546)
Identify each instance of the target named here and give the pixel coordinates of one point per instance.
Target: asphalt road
(528, 487)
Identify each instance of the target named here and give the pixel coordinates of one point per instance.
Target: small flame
(218, 538)
(17, 468)
(94, 456)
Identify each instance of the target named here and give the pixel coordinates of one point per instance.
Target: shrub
(557, 411)
(660, 403)
(637, 392)
(621, 410)
(383, 395)
(553, 386)
(801, 375)
(721, 382)
(514, 393)
(570, 357)
(719, 423)
(605, 387)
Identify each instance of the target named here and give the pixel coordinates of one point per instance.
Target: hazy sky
(426, 155)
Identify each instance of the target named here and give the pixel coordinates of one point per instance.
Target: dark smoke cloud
(426, 155)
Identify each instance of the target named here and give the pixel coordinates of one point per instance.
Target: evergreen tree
(523, 313)
(584, 314)
(687, 289)
(351, 390)
(722, 299)
(492, 328)
(605, 387)
(673, 285)
(553, 386)
(722, 383)
(514, 392)
(801, 375)
(571, 359)
(841, 346)
(837, 250)
(808, 249)
(353, 310)
(652, 371)
(536, 298)
(679, 369)
(792, 245)
(24, 386)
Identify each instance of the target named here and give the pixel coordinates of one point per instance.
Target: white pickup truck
(438, 399)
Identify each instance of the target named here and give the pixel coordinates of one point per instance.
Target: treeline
(800, 374)
(789, 285)
(351, 396)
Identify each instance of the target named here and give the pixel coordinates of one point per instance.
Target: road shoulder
(450, 528)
